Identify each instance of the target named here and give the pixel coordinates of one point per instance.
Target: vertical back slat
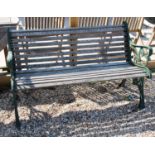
(43, 22)
(92, 21)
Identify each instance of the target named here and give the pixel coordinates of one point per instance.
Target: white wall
(8, 20)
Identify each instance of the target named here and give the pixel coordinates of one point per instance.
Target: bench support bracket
(122, 84)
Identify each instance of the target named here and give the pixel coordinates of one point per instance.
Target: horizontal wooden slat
(63, 37)
(75, 69)
(68, 47)
(86, 51)
(34, 86)
(87, 71)
(67, 63)
(44, 85)
(111, 40)
(82, 80)
(51, 69)
(73, 28)
(65, 31)
(76, 77)
(73, 57)
(69, 29)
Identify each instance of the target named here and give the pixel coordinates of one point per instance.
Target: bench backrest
(42, 50)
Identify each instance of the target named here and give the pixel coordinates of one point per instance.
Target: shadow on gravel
(113, 121)
(122, 120)
(61, 95)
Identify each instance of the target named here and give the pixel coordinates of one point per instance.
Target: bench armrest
(140, 56)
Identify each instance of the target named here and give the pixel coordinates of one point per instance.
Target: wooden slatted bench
(45, 58)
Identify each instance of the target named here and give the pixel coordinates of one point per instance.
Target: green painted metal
(153, 71)
(141, 52)
(140, 84)
(127, 43)
(122, 84)
(11, 65)
(14, 93)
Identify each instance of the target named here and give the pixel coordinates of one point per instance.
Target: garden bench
(45, 58)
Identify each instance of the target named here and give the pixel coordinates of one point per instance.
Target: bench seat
(78, 75)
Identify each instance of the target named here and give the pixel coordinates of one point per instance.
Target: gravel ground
(92, 109)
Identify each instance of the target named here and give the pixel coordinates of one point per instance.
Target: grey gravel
(92, 109)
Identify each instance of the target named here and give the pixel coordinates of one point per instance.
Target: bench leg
(18, 124)
(122, 84)
(140, 83)
(14, 93)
